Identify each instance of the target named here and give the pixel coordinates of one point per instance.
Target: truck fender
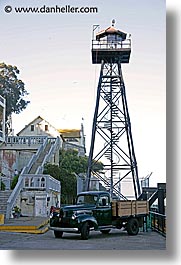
(87, 218)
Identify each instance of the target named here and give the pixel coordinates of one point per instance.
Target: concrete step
(40, 159)
(31, 225)
(4, 196)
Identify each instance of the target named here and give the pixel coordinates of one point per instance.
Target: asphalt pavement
(32, 233)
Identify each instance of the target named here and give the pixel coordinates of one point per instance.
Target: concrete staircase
(4, 195)
(46, 151)
(40, 159)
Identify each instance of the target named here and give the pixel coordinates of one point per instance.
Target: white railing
(12, 199)
(40, 182)
(35, 157)
(104, 44)
(54, 147)
(2, 100)
(1, 135)
(25, 140)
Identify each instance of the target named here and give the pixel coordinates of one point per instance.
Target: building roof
(66, 133)
(110, 30)
(33, 121)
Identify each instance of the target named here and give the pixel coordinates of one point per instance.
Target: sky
(53, 53)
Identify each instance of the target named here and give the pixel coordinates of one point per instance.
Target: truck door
(103, 211)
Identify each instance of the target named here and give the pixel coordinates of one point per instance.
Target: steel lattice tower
(112, 141)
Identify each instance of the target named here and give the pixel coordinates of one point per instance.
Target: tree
(69, 160)
(12, 89)
(67, 179)
(70, 163)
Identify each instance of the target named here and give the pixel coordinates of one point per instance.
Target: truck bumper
(65, 229)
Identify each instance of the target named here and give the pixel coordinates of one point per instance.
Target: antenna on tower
(113, 22)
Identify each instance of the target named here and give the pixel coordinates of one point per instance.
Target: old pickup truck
(94, 210)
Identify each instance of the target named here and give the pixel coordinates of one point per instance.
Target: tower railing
(105, 44)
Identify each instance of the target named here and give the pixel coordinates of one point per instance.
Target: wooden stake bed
(128, 208)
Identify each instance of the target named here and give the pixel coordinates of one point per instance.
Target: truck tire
(85, 229)
(58, 234)
(132, 226)
(106, 231)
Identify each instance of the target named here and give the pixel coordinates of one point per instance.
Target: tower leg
(94, 130)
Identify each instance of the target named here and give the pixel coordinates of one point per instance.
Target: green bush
(14, 182)
(3, 186)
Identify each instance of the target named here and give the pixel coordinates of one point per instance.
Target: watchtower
(110, 45)
(112, 141)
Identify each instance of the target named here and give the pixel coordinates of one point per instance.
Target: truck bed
(129, 208)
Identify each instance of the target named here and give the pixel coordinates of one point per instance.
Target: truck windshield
(87, 199)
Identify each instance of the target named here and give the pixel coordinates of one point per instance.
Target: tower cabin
(110, 45)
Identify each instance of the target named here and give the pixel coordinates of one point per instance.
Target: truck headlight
(54, 215)
(74, 215)
(51, 215)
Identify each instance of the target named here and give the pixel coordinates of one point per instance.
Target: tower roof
(110, 30)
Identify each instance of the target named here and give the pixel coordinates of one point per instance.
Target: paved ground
(116, 240)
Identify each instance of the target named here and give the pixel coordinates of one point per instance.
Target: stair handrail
(53, 184)
(53, 148)
(12, 198)
(35, 156)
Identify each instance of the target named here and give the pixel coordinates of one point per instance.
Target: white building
(74, 139)
(39, 127)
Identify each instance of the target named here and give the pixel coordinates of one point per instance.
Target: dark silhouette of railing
(158, 222)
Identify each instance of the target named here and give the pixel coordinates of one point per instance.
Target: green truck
(94, 210)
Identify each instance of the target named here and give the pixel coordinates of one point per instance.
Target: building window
(32, 128)
(26, 182)
(71, 140)
(42, 182)
(32, 182)
(46, 127)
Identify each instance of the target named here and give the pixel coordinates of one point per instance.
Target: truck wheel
(58, 234)
(132, 226)
(85, 231)
(105, 231)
